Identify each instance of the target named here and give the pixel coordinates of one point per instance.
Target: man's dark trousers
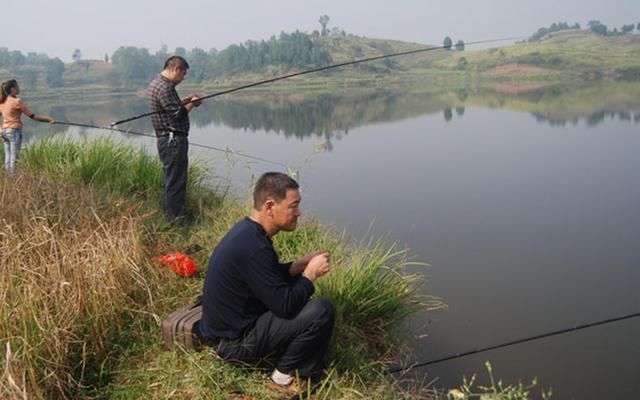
(173, 154)
(300, 343)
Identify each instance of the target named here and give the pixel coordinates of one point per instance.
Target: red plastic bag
(180, 263)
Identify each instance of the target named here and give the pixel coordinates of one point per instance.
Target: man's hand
(317, 266)
(300, 264)
(192, 101)
(196, 100)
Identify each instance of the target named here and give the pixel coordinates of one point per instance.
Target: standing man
(254, 306)
(170, 120)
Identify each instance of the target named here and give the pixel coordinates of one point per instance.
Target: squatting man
(253, 305)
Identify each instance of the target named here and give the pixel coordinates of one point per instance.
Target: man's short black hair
(272, 185)
(174, 62)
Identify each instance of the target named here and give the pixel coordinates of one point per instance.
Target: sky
(58, 27)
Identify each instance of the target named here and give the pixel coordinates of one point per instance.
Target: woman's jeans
(12, 138)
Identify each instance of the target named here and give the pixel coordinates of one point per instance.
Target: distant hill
(570, 53)
(562, 55)
(565, 54)
(87, 72)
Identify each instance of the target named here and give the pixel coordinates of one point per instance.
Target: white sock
(280, 378)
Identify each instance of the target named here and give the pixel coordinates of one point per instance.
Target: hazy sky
(57, 27)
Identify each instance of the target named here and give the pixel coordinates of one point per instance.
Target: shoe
(297, 386)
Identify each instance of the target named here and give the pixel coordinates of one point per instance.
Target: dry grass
(81, 304)
(69, 272)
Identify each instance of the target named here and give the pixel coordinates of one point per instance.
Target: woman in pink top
(11, 110)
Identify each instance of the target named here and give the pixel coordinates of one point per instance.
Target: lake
(524, 203)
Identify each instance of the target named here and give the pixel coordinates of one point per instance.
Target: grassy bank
(83, 301)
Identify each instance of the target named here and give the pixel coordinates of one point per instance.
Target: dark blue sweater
(245, 280)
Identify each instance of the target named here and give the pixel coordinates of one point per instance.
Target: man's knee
(320, 310)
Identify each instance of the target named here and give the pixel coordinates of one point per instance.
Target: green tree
(460, 45)
(627, 28)
(134, 64)
(77, 55)
(30, 77)
(198, 60)
(55, 72)
(36, 59)
(555, 27)
(324, 20)
(597, 27)
(462, 63)
(447, 42)
(16, 59)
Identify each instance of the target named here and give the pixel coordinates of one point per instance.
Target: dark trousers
(175, 165)
(300, 343)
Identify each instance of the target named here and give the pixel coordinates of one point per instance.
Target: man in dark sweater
(253, 305)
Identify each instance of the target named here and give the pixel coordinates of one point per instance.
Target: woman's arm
(42, 118)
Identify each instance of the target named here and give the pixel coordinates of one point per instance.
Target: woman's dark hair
(6, 89)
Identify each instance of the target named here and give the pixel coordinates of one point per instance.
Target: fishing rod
(513, 342)
(319, 69)
(224, 150)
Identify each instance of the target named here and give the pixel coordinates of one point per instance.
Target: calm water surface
(530, 224)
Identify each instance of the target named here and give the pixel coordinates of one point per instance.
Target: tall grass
(369, 287)
(70, 269)
(82, 305)
(104, 163)
(80, 260)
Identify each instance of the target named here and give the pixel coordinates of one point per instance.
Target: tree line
(28, 67)
(447, 43)
(594, 26)
(285, 52)
(134, 65)
(288, 51)
(603, 30)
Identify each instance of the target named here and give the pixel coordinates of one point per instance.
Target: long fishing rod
(226, 151)
(319, 69)
(513, 342)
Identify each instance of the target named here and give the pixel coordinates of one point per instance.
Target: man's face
(178, 75)
(286, 212)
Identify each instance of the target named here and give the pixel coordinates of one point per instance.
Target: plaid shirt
(171, 115)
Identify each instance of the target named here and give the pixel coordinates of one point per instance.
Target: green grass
(100, 163)
(76, 273)
(497, 390)
(371, 294)
(573, 55)
(107, 165)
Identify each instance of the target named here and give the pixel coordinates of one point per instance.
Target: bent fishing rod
(226, 151)
(319, 69)
(513, 342)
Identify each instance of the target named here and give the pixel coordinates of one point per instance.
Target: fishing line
(319, 69)
(204, 146)
(513, 342)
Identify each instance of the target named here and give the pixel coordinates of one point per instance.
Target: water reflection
(326, 115)
(330, 116)
(529, 228)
